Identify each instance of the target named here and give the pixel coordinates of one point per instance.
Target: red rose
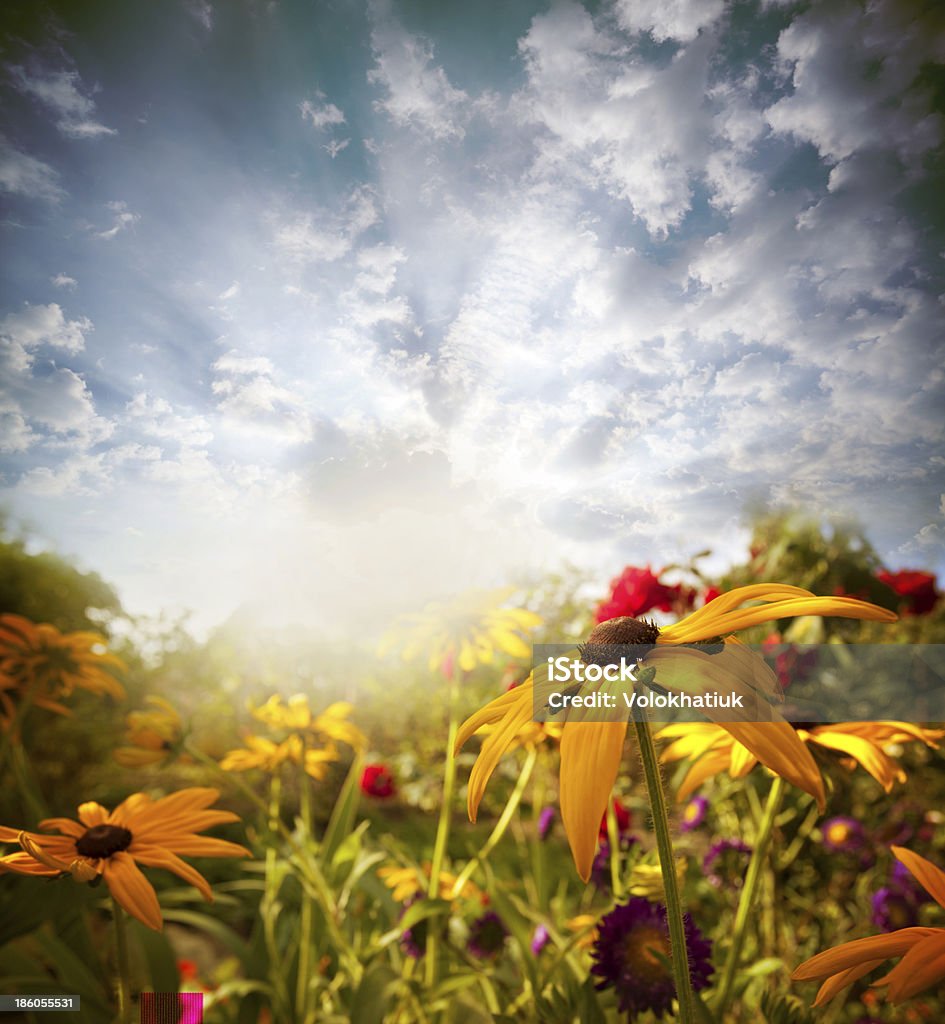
(915, 588)
(623, 820)
(636, 591)
(376, 780)
(711, 593)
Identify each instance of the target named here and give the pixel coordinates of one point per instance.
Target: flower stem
(124, 973)
(501, 825)
(752, 879)
(664, 846)
(442, 836)
(305, 914)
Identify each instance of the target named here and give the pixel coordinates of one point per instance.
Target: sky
(326, 309)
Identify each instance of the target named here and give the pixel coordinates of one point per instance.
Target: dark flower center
(644, 947)
(606, 639)
(103, 841)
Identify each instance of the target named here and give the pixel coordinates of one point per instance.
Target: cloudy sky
(334, 307)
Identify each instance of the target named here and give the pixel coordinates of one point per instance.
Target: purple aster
(540, 939)
(545, 820)
(413, 940)
(731, 852)
(842, 835)
(693, 814)
(487, 935)
(893, 909)
(630, 954)
(600, 869)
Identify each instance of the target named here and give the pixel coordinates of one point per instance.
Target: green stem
(613, 840)
(124, 972)
(664, 846)
(758, 858)
(305, 916)
(501, 825)
(271, 899)
(442, 837)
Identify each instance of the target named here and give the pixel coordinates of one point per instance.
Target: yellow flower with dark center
(713, 750)
(922, 949)
(152, 736)
(591, 749)
(467, 631)
(408, 882)
(111, 844)
(42, 665)
(296, 716)
(269, 756)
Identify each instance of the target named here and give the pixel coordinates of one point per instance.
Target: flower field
(375, 828)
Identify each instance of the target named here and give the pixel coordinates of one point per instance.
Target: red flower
(376, 780)
(916, 588)
(711, 593)
(623, 820)
(790, 662)
(187, 970)
(636, 591)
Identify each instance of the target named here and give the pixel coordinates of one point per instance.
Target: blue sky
(332, 308)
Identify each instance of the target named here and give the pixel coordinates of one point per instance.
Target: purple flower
(413, 940)
(630, 954)
(723, 850)
(600, 869)
(896, 905)
(545, 820)
(540, 939)
(843, 835)
(487, 935)
(693, 814)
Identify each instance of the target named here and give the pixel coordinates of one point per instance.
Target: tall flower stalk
(664, 846)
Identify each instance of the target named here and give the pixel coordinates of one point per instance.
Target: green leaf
(372, 999)
(421, 910)
(343, 813)
(158, 956)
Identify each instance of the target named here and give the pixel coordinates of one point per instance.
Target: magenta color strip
(171, 1008)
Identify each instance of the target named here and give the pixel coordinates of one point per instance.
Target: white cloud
(38, 394)
(155, 417)
(231, 292)
(321, 116)
(64, 281)
(419, 94)
(122, 219)
(326, 236)
(853, 71)
(44, 325)
(24, 175)
(335, 147)
(64, 95)
(668, 19)
(254, 403)
(202, 11)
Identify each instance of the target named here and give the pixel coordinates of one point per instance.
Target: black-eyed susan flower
(922, 949)
(632, 953)
(297, 716)
(467, 631)
(409, 882)
(111, 845)
(591, 749)
(45, 666)
(269, 756)
(714, 750)
(151, 736)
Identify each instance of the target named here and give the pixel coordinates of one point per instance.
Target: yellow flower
(43, 665)
(155, 833)
(466, 631)
(647, 880)
(922, 949)
(713, 750)
(269, 756)
(591, 749)
(584, 926)
(152, 735)
(296, 716)
(408, 882)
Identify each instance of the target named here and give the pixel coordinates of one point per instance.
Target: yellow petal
(494, 747)
(132, 890)
(880, 765)
(840, 981)
(859, 951)
(921, 967)
(930, 877)
(590, 759)
(493, 712)
(713, 763)
(778, 747)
